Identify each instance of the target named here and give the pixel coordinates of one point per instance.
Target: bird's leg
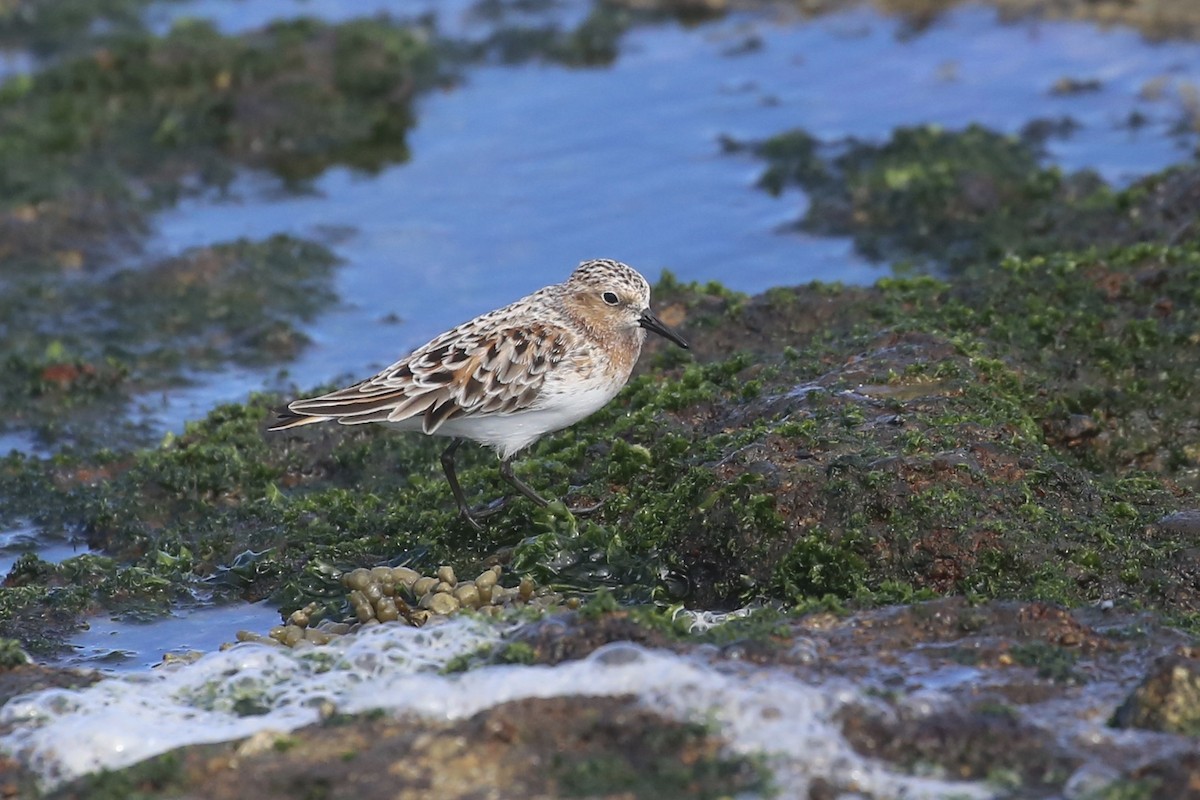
(507, 473)
(456, 490)
(471, 515)
(522, 487)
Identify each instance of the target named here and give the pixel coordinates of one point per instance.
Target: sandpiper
(510, 376)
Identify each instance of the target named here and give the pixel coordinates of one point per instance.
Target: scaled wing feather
(458, 374)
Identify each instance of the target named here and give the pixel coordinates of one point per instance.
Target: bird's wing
(466, 371)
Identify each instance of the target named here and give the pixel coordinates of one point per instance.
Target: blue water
(25, 538)
(111, 645)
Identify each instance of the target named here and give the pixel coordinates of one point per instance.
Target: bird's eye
(610, 298)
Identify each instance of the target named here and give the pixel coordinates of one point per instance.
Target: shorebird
(510, 376)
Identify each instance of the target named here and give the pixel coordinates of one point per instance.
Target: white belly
(509, 433)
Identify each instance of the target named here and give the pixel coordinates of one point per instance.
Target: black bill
(655, 325)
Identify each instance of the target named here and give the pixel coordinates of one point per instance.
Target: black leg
(459, 497)
(507, 473)
(522, 487)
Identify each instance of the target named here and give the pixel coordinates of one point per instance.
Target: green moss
(669, 290)
(819, 565)
(1141, 789)
(12, 654)
(517, 653)
(792, 158)
(601, 602)
(594, 41)
(294, 97)
(958, 199)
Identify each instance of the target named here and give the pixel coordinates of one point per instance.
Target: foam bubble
(251, 688)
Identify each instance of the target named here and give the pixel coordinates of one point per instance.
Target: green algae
(1140, 789)
(1112, 335)
(152, 777)
(12, 654)
(122, 123)
(294, 98)
(964, 200)
(76, 350)
(594, 41)
(125, 125)
(930, 196)
(1052, 663)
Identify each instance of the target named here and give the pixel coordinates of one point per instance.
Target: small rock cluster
(392, 594)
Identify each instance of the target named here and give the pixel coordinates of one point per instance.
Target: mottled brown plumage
(508, 377)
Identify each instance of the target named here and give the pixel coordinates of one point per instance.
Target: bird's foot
(583, 511)
(490, 509)
(475, 515)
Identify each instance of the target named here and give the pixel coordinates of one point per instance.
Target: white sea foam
(120, 721)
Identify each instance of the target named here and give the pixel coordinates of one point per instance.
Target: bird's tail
(290, 419)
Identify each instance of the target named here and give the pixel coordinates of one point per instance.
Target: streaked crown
(604, 274)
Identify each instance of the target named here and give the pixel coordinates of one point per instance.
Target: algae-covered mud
(930, 534)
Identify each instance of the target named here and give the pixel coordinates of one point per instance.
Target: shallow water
(14, 62)
(16, 542)
(119, 646)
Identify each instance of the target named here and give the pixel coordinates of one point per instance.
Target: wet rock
(1167, 700)
(558, 747)
(1073, 428)
(1176, 776)
(35, 677)
(573, 636)
(1185, 522)
(967, 743)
